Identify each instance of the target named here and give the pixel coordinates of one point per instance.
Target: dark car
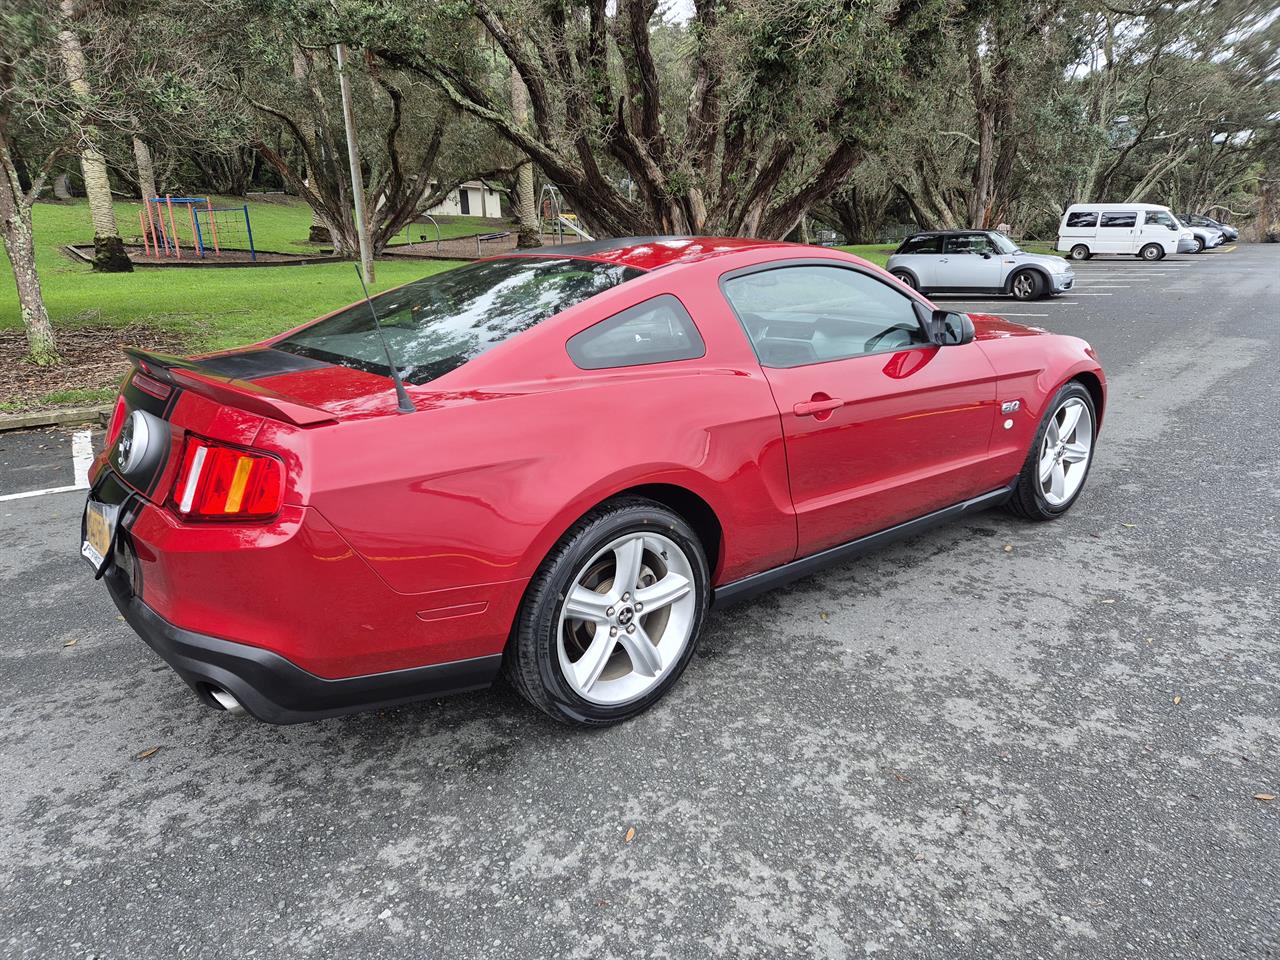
(1196, 220)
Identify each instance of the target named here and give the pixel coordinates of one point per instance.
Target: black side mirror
(986, 255)
(948, 329)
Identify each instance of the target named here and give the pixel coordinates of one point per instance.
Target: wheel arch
(1034, 268)
(911, 273)
(1093, 384)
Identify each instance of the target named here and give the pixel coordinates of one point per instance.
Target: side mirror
(948, 329)
(986, 255)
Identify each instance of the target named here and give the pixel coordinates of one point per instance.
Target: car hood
(987, 326)
(1054, 264)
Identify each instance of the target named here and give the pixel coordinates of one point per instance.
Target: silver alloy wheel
(1064, 456)
(1024, 284)
(627, 618)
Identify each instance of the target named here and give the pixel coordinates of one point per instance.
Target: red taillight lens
(117, 421)
(218, 482)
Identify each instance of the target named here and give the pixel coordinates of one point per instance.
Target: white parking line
(81, 461)
(1042, 303)
(82, 457)
(38, 493)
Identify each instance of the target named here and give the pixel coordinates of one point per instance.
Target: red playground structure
(210, 226)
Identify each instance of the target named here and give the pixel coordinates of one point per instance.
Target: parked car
(960, 261)
(1143, 229)
(1230, 234)
(1204, 238)
(588, 446)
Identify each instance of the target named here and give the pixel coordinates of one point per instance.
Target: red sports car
(592, 446)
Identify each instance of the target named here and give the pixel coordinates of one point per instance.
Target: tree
(108, 249)
(765, 110)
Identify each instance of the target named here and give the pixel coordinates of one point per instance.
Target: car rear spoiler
(241, 394)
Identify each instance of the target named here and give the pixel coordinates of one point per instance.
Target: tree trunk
(526, 214)
(146, 170)
(19, 245)
(108, 249)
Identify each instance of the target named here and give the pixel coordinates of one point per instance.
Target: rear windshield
(438, 323)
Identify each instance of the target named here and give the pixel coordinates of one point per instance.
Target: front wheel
(1080, 252)
(1152, 251)
(1199, 245)
(612, 617)
(1060, 457)
(1026, 285)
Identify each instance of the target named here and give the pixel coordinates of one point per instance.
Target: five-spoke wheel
(1059, 461)
(612, 616)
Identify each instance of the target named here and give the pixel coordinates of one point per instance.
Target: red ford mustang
(594, 444)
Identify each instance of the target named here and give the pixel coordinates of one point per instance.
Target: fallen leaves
(1129, 526)
(1177, 699)
(72, 642)
(148, 753)
(1264, 797)
(1008, 548)
(631, 835)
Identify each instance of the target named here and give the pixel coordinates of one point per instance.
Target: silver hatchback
(986, 261)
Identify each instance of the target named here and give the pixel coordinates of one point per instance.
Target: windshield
(438, 323)
(1003, 243)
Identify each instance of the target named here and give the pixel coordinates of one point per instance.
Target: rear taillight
(218, 482)
(117, 421)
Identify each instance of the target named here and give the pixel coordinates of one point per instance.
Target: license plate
(99, 530)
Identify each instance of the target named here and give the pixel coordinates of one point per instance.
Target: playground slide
(566, 222)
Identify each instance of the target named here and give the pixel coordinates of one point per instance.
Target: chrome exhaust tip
(227, 701)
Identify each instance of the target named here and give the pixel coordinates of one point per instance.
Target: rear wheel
(1026, 285)
(906, 278)
(1060, 457)
(1152, 251)
(612, 616)
(1080, 252)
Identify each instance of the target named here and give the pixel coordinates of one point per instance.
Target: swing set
(220, 225)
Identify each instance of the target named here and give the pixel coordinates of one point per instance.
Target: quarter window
(656, 331)
(921, 245)
(1082, 218)
(812, 314)
(1120, 219)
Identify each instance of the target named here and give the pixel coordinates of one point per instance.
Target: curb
(54, 418)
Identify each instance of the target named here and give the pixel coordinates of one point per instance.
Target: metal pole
(213, 226)
(173, 228)
(353, 158)
(253, 254)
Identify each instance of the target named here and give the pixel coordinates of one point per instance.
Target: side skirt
(758, 583)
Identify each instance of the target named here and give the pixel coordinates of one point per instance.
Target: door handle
(820, 406)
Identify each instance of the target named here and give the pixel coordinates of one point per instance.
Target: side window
(1082, 218)
(655, 331)
(1121, 218)
(812, 314)
(969, 243)
(922, 245)
(1159, 218)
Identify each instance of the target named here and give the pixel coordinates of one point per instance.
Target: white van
(1142, 229)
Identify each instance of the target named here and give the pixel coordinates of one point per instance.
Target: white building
(475, 198)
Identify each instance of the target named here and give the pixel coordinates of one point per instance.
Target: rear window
(921, 245)
(438, 323)
(1082, 218)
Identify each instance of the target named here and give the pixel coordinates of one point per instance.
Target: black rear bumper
(276, 690)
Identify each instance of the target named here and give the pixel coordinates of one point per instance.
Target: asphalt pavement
(995, 740)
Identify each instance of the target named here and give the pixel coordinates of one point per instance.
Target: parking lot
(996, 739)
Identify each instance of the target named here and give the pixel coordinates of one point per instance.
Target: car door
(968, 260)
(1118, 231)
(920, 255)
(880, 425)
(1159, 227)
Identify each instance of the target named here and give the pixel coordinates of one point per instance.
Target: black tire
(1028, 500)
(1152, 251)
(532, 663)
(906, 278)
(1080, 252)
(1027, 285)
(1199, 245)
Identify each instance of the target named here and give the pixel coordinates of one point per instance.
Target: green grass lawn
(214, 308)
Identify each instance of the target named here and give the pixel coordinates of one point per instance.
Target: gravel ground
(950, 749)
